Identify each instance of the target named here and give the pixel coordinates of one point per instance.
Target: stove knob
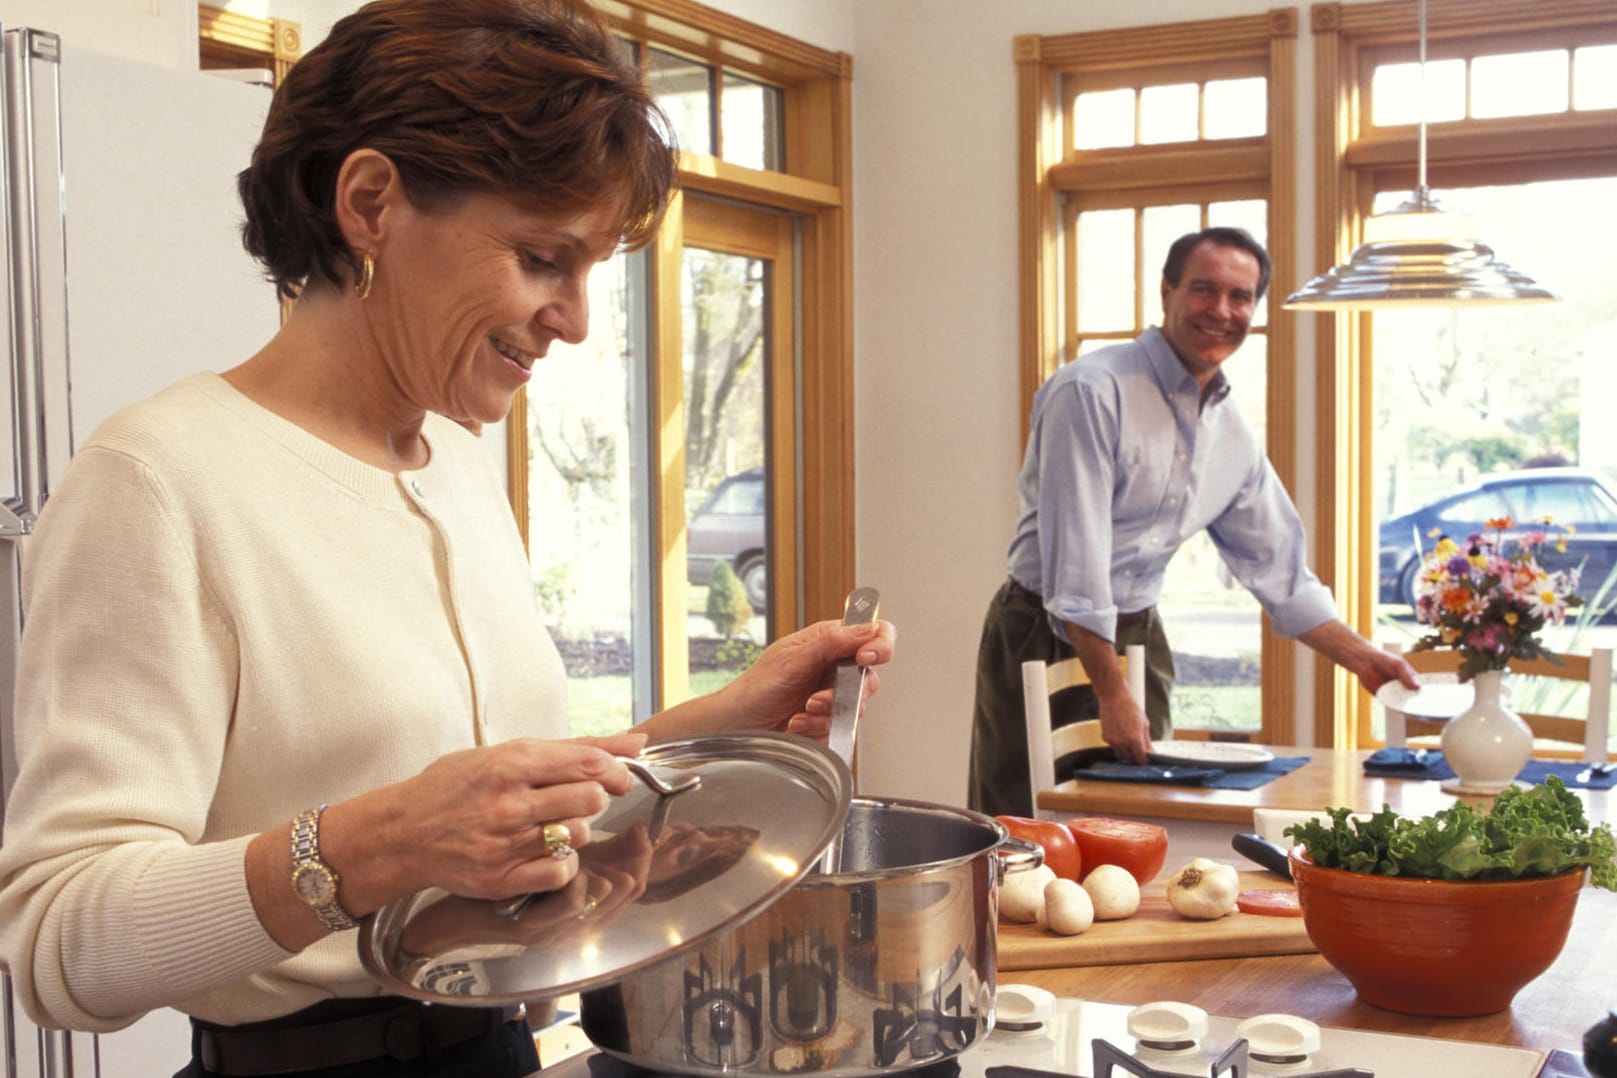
(1279, 1038)
(1022, 1008)
(1167, 1025)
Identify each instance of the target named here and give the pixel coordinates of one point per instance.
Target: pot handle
(1017, 855)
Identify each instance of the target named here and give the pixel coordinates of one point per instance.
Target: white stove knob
(1279, 1037)
(1022, 1008)
(1167, 1024)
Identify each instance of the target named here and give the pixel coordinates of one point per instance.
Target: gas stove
(1037, 1035)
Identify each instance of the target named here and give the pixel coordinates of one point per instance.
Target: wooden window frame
(1048, 170)
(815, 187)
(1352, 162)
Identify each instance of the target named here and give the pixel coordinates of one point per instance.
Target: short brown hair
(1173, 267)
(533, 99)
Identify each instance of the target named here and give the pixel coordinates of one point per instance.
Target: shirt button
(1181, 456)
(415, 485)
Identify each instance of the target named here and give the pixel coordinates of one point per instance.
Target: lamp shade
(1418, 256)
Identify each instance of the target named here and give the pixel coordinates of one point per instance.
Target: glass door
(736, 297)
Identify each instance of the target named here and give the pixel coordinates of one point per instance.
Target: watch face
(313, 884)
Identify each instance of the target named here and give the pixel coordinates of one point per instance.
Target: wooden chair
(1569, 732)
(1047, 745)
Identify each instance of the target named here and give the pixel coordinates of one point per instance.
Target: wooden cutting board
(1157, 934)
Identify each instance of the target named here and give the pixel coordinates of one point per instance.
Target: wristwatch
(313, 881)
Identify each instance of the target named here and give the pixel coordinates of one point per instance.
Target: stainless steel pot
(884, 965)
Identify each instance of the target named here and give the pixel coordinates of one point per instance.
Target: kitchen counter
(1551, 1012)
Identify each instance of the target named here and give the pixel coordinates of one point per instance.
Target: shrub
(727, 605)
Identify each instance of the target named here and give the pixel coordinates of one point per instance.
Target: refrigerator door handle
(42, 436)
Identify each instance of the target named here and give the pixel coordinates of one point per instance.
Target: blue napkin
(1429, 764)
(1216, 778)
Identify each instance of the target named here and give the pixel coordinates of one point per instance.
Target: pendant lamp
(1417, 255)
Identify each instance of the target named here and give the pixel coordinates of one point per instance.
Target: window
(1130, 139)
(673, 439)
(1418, 406)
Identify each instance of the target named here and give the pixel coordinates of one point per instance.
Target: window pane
(1101, 119)
(584, 522)
(1519, 84)
(684, 89)
(1163, 225)
(750, 116)
(1465, 395)
(1105, 271)
(1236, 108)
(1395, 93)
(1594, 77)
(1168, 113)
(725, 304)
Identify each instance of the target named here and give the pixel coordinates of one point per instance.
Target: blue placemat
(1429, 764)
(1215, 778)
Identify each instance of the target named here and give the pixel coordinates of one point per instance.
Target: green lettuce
(1538, 831)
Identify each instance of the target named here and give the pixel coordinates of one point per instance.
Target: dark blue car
(1582, 497)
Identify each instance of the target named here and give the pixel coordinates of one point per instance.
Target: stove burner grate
(1232, 1061)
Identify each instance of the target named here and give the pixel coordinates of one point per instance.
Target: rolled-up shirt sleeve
(1261, 538)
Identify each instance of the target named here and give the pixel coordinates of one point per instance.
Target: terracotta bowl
(1446, 948)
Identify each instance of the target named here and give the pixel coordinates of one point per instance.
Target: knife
(1264, 852)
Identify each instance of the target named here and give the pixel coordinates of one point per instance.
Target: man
(1134, 449)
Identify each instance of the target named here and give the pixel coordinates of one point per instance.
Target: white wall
(159, 32)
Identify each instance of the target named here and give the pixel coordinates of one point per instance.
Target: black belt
(1131, 620)
(327, 1035)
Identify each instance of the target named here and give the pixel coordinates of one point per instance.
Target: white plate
(1229, 755)
(1440, 696)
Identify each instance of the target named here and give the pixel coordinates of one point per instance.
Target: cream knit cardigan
(227, 621)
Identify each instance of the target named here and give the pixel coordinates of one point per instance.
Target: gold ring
(558, 840)
(589, 907)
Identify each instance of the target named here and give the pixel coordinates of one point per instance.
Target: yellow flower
(1510, 617)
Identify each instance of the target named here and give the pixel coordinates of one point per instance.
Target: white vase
(1488, 743)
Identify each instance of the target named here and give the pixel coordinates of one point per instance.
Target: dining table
(1550, 1014)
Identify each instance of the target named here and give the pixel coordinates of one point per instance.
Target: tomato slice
(1137, 846)
(1269, 903)
(1061, 853)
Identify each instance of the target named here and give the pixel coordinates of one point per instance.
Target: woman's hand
(473, 822)
(788, 687)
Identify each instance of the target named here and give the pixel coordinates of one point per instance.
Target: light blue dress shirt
(1123, 465)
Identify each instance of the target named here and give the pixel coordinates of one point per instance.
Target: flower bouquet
(1489, 599)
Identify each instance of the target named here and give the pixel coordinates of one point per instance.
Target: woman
(282, 664)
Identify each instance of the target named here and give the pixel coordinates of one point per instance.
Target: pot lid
(711, 832)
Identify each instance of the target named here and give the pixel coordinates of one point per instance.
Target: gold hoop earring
(367, 276)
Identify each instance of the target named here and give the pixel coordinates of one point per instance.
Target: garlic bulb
(1204, 890)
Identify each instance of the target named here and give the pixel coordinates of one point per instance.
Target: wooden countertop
(1551, 1012)
(1329, 779)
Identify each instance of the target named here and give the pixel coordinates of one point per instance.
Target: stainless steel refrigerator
(123, 272)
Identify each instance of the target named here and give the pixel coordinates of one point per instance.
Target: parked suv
(730, 527)
(1585, 498)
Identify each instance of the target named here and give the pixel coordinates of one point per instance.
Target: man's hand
(1124, 725)
(1123, 722)
(1353, 653)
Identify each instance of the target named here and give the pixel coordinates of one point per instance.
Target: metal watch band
(306, 856)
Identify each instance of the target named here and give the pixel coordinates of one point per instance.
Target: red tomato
(1060, 851)
(1135, 845)
(1269, 903)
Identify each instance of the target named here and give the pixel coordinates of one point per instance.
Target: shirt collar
(1171, 374)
